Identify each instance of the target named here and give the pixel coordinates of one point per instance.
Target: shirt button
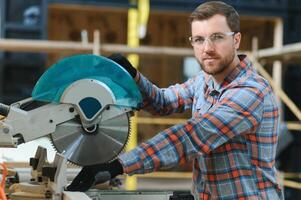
(213, 93)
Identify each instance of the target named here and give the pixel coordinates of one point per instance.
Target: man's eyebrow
(217, 33)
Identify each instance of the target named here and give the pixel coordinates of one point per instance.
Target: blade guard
(52, 84)
(90, 97)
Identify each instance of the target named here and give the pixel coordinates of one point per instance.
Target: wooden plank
(293, 125)
(277, 65)
(288, 102)
(288, 52)
(169, 174)
(292, 184)
(18, 45)
(290, 175)
(96, 43)
(148, 50)
(160, 121)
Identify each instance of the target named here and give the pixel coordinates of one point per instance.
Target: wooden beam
(277, 64)
(148, 50)
(18, 45)
(296, 126)
(285, 53)
(169, 175)
(291, 175)
(96, 42)
(292, 184)
(290, 104)
(160, 121)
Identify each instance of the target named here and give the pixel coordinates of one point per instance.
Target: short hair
(211, 8)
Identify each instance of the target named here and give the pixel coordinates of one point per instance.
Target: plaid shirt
(231, 137)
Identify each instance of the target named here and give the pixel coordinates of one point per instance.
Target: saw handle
(125, 63)
(4, 109)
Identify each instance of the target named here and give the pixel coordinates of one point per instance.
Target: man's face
(215, 44)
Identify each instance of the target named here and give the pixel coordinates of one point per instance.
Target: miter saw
(83, 104)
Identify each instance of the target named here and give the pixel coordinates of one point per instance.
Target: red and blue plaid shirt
(231, 137)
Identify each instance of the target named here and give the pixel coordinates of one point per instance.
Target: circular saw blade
(101, 146)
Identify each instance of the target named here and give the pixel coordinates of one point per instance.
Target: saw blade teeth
(129, 135)
(54, 148)
(72, 164)
(127, 139)
(52, 143)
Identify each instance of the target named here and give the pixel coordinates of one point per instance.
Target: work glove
(95, 174)
(125, 63)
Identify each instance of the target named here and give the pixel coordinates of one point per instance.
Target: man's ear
(237, 38)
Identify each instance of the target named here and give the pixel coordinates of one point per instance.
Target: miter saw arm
(20, 126)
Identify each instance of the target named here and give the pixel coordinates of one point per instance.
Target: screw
(71, 109)
(51, 121)
(5, 130)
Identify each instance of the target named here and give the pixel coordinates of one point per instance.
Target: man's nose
(208, 45)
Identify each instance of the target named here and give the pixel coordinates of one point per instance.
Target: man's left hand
(95, 174)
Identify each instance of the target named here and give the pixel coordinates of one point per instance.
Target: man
(232, 135)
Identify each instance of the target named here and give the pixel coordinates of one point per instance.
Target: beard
(218, 65)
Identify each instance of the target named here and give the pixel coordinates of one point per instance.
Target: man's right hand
(125, 63)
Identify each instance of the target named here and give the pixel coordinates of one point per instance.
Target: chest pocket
(207, 101)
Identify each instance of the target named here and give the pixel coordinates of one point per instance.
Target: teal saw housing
(58, 77)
